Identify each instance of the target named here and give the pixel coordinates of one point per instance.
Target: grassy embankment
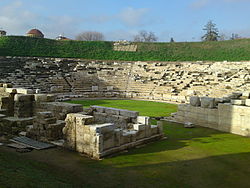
(233, 50)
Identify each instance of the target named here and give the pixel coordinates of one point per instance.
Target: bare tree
(90, 36)
(212, 33)
(223, 37)
(144, 36)
(235, 36)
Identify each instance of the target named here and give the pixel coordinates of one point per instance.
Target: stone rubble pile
(37, 114)
(46, 127)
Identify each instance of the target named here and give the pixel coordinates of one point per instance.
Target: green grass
(232, 50)
(198, 157)
(146, 108)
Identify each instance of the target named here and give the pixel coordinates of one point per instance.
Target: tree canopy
(212, 33)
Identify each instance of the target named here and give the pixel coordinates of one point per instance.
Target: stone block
(195, 101)
(23, 98)
(246, 94)
(40, 97)
(237, 102)
(100, 117)
(110, 88)
(112, 111)
(127, 113)
(10, 90)
(247, 102)
(207, 102)
(99, 109)
(51, 98)
(95, 88)
(154, 129)
(44, 115)
(143, 120)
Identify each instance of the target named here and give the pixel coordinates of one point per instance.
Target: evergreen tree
(212, 33)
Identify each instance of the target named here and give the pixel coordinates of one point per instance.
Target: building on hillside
(61, 37)
(2, 33)
(35, 33)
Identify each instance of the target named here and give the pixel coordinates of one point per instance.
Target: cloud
(120, 35)
(16, 19)
(134, 17)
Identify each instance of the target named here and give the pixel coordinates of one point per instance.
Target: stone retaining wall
(230, 114)
(169, 81)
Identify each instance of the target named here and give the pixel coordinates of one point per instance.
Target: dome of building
(35, 33)
(2, 33)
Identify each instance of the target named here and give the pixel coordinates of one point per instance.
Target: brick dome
(35, 33)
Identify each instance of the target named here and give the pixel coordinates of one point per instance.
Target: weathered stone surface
(171, 81)
(207, 102)
(98, 140)
(195, 101)
(247, 102)
(237, 102)
(228, 117)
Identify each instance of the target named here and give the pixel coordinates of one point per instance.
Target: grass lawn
(198, 157)
(146, 108)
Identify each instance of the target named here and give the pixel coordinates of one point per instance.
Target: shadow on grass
(178, 137)
(227, 171)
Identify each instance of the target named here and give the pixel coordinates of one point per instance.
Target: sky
(122, 19)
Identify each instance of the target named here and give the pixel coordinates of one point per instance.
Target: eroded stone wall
(229, 114)
(170, 81)
(104, 132)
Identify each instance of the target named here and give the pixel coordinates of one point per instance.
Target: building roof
(35, 32)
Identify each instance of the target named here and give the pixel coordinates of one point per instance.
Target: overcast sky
(121, 19)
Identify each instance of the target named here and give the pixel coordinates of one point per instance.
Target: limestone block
(154, 129)
(24, 91)
(7, 85)
(237, 102)
(195, 101)
(247, 102)
(44, 114)
(127, 113)
(246, 94)
(87, 120)
(160, 127)
(24, 98)
(110, 88)
(56, 89)
(100, 109)
(100, 117)
(127, 136)
(143, 120)
(102, 128)
(225, 109)
(207, 102)
(40, 97)
(10, 90)
(112, 111)
(191, 92)
(95, 88)
(51, 98)
(108, 140)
